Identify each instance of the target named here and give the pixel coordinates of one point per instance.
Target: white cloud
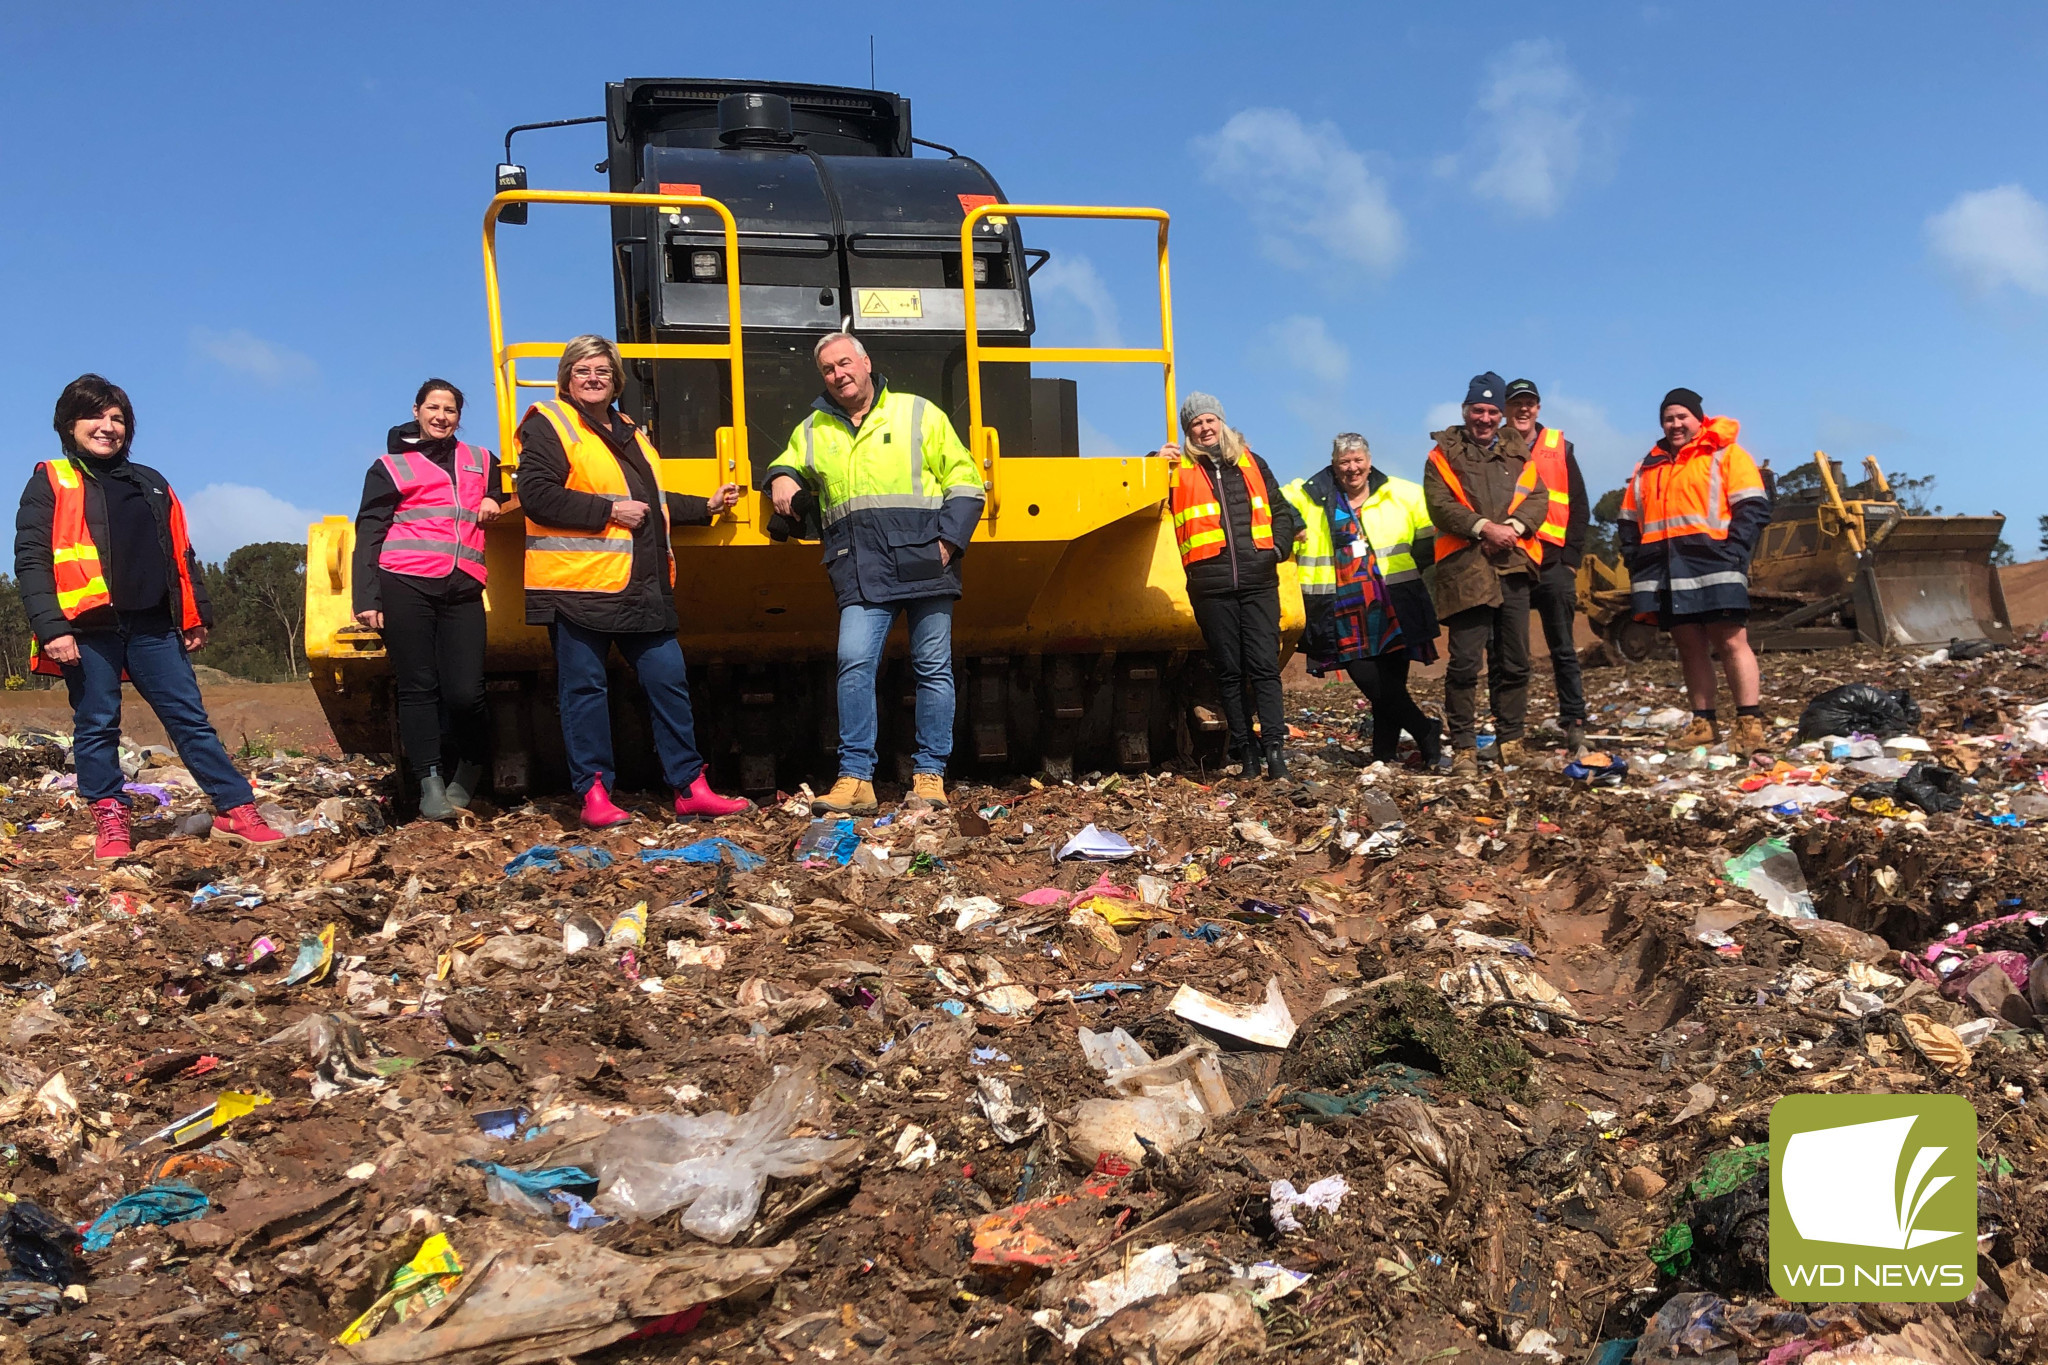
(1093, 440)
(244, 353)
(1540, 130)
(223, 517)
(1994, 238)
(1073, 279)
(1606, 453)
(1308, 193)
(1317, 363)
(1306, 345)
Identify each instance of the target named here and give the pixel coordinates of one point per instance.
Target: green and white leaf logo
(1873, 1198)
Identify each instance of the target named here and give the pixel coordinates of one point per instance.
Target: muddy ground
(1550, 1028)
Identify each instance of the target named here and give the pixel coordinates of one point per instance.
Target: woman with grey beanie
(1233, 528)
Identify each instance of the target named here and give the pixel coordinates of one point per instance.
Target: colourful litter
(539, 1183)
(227, 1106)
(706, 851)
(1103, 990)
(557, 858)
(316, 955)
(171, 1202)
(828, 839)
(419, 1284)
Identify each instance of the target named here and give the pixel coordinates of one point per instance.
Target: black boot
(1243, 757)
(1276, 760)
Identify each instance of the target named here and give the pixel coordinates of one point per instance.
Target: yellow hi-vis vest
(563, 559)
(1391, 518)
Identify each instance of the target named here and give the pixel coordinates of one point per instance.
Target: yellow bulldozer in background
(747, 220)
(1838, 565)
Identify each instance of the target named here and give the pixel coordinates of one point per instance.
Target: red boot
(110, 837)
(701, 803)
(243, 825)
(598, 810)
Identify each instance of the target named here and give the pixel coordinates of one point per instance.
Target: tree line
(259, 618)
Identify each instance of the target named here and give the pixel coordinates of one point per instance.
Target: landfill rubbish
(1859, 709)
(928, 1093)
(1096, 845)
(1324, 1196)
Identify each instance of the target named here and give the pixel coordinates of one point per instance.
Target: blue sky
(1828, 219)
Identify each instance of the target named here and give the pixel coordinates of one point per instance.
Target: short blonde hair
(588, 347)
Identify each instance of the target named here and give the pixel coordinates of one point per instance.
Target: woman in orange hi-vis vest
(1690, 517)
(1233, 528)
(113, 593)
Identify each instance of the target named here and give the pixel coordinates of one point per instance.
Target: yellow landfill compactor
(1838, 564)
(747, 219)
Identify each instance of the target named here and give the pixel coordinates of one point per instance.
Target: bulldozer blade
(1930, 580)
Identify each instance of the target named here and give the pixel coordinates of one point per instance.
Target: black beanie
(1685, 398)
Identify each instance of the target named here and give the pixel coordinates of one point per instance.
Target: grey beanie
(1197, 403)
(1486, 388)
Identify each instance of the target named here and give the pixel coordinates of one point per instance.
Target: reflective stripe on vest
(1548, 458)
(75, 560)
(1198, 512)
(564, 559)
(1387, 520)
(1448, 544)
(441, 514)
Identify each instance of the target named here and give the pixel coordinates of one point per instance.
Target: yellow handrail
(983, 441)
(732, 449)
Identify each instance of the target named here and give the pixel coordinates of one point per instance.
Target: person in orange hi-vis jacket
(1690, 517)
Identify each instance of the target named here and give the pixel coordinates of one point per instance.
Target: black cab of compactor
(837, 219)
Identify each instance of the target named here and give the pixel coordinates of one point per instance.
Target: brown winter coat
(1467, 577)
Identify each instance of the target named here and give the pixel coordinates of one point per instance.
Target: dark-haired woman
(419, 579)
(112, 588)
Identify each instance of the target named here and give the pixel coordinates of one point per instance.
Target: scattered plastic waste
(710, 850)
(557, 858)
(1324, 1196)
(1096, 845)
(169, 1202)
(1770, 870)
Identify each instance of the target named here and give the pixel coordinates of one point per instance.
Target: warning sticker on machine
(891, 303)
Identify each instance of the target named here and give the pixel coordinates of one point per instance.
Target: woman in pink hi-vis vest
(419, 580)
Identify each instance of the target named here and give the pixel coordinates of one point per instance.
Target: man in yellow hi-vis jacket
(898, 497)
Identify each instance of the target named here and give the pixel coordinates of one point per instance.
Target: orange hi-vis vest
(81, 581)
(1448, 544)
(1198, 512)
(1694, 492)
(562, 559)
(1548, 457)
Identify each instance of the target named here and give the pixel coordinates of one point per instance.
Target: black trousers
(436, 647)
(1384, 681)
(1501, 636)
(1242, 631)
(1555, 601)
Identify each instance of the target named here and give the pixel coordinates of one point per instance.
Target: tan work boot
(1701, 731)
(930, 786)
(849, 796)
(1748, 736)
(1511, 753)
(1465, 763)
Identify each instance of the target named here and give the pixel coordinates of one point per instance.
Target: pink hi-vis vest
(436, 529)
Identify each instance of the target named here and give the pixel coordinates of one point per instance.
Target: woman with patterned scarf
(1369, 613)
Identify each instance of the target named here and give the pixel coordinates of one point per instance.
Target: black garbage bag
(1874, 791)
(38, 1244)
(1962, 651)
(1731, 1239)
(1931, 787)
(1860, 709)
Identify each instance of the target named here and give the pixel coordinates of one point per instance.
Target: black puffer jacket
(1242, 566)
(34, 569)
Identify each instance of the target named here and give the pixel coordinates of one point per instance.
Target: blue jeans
(657, 658)
(151, 647)
(863, 630)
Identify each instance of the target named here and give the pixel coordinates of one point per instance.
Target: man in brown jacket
(1486, 501)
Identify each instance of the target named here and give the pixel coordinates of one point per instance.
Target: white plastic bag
(714, 1166)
